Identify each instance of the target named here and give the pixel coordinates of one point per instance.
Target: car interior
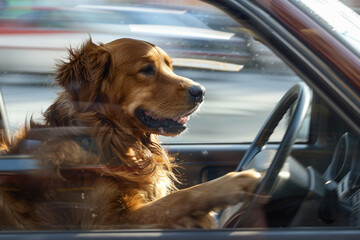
(309, 181)
(318, 184)
(323, 189)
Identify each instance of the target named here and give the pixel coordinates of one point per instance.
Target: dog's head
(137, 79)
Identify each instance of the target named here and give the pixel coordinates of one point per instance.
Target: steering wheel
(297, 97)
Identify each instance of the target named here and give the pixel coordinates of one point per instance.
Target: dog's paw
(245, 180)
(231, 188)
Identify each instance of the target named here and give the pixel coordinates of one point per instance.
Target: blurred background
(243, 78)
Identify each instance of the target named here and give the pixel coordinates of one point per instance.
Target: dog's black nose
(197, 93)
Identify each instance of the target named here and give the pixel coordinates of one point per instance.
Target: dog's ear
(83, 74)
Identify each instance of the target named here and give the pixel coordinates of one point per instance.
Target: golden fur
(100, 166)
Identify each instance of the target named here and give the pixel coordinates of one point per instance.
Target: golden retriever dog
(100, 163)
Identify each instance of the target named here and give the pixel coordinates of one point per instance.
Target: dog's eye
(148, 70)
(167, 62)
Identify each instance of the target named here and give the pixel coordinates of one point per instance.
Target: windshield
(338, 19)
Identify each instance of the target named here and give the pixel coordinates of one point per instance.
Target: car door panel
(200, 163)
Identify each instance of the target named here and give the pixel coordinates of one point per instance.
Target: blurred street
(235, 107)
(238, 116)
(200, 37)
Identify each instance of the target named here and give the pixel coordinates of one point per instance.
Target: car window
(243, 78)
(243, 82)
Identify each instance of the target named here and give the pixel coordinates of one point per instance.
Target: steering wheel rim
(299, 95)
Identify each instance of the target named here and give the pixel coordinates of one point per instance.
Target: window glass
(243, 78)
(43, 179)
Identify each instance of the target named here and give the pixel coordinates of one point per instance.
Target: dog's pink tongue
(183, 120)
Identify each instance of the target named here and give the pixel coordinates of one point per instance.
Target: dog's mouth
(161, 125)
